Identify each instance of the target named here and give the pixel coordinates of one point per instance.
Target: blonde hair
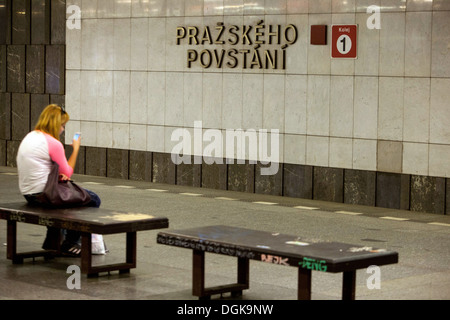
(51, 120)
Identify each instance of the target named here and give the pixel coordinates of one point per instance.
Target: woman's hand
(76, 143)
(63, 177)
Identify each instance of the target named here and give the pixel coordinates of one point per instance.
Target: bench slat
(278, 248)
(84, 219)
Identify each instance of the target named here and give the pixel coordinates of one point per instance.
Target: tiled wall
(130, 86)
(370, 131)
(32, 67)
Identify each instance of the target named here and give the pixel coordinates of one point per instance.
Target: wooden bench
(85, 220)
(273, 248)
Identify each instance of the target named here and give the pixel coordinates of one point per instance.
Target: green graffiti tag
(313, 264)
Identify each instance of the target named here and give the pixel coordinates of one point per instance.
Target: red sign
(344, 41)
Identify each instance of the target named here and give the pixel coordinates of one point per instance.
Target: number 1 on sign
(344, 44)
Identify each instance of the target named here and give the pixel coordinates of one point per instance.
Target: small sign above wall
(344, 41)
(319, 35)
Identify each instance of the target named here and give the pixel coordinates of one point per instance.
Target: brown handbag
(63, 193)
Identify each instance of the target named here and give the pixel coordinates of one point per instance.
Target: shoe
(71, 250)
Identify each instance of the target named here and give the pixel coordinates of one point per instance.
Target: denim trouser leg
(74, 237)
(95, 199)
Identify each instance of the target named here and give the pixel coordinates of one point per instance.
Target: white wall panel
(128, 84)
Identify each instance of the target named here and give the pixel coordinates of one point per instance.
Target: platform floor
(164, 273)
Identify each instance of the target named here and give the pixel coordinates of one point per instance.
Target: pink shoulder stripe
(57, 154)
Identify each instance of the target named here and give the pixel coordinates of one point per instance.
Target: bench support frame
(93, 271)
(86, 252)
(11, 246)
(349, 285)
(304, 284)
(198, 278)
(243, 280)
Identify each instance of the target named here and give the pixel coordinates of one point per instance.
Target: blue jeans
(95, 199)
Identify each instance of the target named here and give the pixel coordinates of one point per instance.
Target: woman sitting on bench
(38, 150)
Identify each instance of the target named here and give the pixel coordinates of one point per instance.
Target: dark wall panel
(20, 119)
(298, 181)
(2, 152)
(5, 116)
(21, 18)
(328, 184)
(37, 104)
(35, 69)
(117, 163)
(269, 184)
(214, 175)
(3, 68)
(58, 99)
(40, 22)
(96, 161)
(3, 21)
(55, 69)
(359, 187)
(189, 174)
(140, 165)
(11, 152)
(447, 196)
(8, 21)
(16, 67)
(58, 22)
(392, 190)
(428, 194)
(241, 177)
(164, 170)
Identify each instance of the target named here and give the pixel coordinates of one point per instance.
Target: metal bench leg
(11, 242)
(198, 273)
(243, 277)
(304, 284)
(11, 249)
(131, 252)
(198, 278)
(86, 253)
(124, 267)
(349, 285)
